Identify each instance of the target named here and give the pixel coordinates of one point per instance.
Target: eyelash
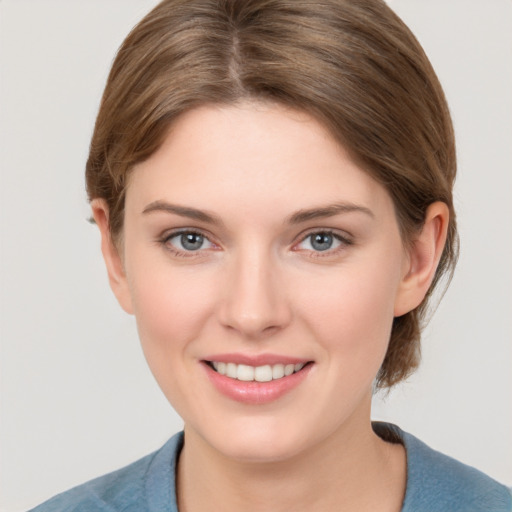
(343, 240)
(165, 241)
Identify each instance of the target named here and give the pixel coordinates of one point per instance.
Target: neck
(353, 469)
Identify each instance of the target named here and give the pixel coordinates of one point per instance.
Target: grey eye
(321, 241)
(188, 241)
(191, 241)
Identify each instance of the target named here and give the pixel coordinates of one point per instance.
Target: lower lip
(253, 392)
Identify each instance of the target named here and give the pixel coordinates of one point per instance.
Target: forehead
(251, 157)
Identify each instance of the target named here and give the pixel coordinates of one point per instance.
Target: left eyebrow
(182, 211)
(327, 211)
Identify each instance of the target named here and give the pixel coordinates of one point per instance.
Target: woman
(273, 186)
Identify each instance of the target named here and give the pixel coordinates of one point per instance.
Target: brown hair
(352, 64)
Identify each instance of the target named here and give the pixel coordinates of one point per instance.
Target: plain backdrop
(76, 397)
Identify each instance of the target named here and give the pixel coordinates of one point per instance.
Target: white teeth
(278, 371)
(245, 372)
(231, 370)
(289, 369)
(264, 373)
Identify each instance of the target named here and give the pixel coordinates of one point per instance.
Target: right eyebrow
(183, 211)
(329, 210)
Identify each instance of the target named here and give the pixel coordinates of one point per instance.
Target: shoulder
(145, 485)
(438, 482)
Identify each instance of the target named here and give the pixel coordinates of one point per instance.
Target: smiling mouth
(247, 373)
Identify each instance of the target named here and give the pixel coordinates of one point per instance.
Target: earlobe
(423, 259)
(111, 256)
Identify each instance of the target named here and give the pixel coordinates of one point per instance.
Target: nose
(255, 303)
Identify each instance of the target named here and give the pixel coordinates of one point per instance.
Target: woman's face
(253, 243)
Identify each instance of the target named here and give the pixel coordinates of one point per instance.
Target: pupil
(321, 241)
(191, 241)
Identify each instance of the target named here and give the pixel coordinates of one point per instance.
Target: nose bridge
(255, 303)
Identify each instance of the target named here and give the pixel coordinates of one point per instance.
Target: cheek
(351, 314)
(170, 307)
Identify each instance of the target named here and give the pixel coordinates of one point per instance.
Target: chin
(255, 441)
(260, 451)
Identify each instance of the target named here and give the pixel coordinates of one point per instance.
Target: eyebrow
(296, 218)
(327, 211)
(183, 211)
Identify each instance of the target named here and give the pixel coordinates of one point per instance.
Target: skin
(257, 286)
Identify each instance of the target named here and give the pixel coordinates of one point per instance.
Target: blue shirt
(435, 483)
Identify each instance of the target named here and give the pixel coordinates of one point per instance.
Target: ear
(113, 260)
(423, 258)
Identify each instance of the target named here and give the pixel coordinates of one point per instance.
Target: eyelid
(343, 237)
(167, 235)
(170, 233)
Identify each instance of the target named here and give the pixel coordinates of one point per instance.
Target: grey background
(76, 397)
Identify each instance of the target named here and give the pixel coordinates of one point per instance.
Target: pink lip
(255, 393)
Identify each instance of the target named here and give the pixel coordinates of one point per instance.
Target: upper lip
(256, 360)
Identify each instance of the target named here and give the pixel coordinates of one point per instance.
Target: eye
(322, 241)
(188, 241)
